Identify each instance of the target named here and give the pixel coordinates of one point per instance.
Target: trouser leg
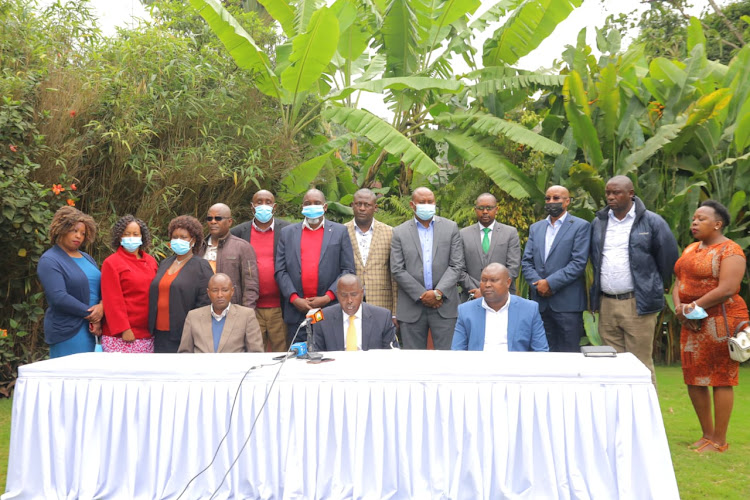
(414, 335)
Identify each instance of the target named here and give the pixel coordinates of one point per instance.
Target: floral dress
(705, 354)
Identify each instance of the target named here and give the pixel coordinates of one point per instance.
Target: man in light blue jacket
(500, 321)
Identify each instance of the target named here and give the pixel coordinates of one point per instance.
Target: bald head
(496, 268)
(486, 199)
(349, 280)
(422, 192)
(495, 285)
(349, 293)
(556, 201)
(219, 279)
(264, 197)
(314, 194)
(365, 194)
(621, 180)
(619, 194)
(219, 220)
(221, 209)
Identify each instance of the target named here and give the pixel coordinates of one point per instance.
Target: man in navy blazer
(554, 263)
(310, 258)
(498, 321)
(352, 324)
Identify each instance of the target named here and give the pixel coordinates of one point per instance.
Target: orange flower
(72, 203)
(72, 113)
(73, 187)
(13, 148)
(57, 188)
(3, 332)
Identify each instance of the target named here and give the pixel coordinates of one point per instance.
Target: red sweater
(311, 245)
(125, 284)
(262, 242)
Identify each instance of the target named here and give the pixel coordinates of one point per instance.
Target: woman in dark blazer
(70, 279)
(180, 284)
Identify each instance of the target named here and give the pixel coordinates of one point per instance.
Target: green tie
(486, 240)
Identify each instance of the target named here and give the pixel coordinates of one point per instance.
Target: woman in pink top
(126, 277)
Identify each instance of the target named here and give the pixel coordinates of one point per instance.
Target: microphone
(313, 316)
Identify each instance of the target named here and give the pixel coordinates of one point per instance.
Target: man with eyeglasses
(232, 256)
(485, 242)
(554, 264)
(263, 233)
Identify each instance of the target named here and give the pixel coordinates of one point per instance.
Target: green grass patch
(716, 475)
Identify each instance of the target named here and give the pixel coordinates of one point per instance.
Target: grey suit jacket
(241, 331)
(505, 248)
(336, 259)
(407, 267)
(378, 331)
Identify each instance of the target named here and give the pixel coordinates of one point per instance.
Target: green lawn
(718, 475)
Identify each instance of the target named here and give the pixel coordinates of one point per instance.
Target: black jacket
(653, 252)
(188, 292)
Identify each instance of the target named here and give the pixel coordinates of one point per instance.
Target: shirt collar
(321, 226)
(631, 214)
(559, 221)
(219, 317)
(504, 308)
(269, 228)
(482, 228)
(419, 223)
(369, 231)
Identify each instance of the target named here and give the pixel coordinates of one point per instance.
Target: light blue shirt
(552, 230)
(425, 239)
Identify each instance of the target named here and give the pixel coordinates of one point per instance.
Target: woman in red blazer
(126, 277)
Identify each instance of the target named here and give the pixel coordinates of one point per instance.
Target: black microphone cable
(231, 412)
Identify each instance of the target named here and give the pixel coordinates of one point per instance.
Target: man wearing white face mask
(310, 258)
(427, 260)
(263, 233)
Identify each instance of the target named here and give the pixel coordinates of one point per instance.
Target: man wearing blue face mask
(263, 233)
(310, 258)
(427, 260)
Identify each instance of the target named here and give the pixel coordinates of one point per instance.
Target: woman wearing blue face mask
(126, 277)
(707, 302)
(180, 284)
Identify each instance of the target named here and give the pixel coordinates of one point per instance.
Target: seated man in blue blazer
(353, 325)
(498, 321)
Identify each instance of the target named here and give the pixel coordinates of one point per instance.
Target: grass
(718, 475)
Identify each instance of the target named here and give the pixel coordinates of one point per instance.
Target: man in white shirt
(633, 252)
(499, 321)
(351, 324)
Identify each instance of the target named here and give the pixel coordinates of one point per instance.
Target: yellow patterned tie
(351, 335)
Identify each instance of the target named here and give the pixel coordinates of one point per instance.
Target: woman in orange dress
(709, 274)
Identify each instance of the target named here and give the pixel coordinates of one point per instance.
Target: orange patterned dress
(705, 354)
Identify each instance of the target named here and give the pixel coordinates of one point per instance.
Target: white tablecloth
(377, 424)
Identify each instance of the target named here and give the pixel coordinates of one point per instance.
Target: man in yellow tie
(353, 325)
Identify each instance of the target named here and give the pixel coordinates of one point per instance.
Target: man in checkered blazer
(371, 241)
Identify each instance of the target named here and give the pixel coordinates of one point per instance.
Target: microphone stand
(311, 354)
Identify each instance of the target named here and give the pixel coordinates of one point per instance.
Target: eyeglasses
(218, 218)
(488, 208)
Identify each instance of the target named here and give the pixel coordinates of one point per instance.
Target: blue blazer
(66, 288)
(525, 327)
(564, 268)
(336, 259)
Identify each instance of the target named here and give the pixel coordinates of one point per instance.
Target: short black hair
(721, 212)
(120, 226)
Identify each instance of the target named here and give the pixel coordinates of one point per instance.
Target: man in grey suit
(554, 263)
(488, 241)
(353, 325)
(310, 258)
(427, 260)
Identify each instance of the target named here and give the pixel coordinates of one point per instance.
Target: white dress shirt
(496, 327)
(307, 225)
(363, 241)
(481, 233)
(269, 228)
(616, 275)
(219, 317)
(357, 325)
(552, 229)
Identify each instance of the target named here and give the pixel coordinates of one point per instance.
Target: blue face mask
(425, 211)
(697, 313)
(180, 247)
(313, 211)
(263, 213)
(131, 243)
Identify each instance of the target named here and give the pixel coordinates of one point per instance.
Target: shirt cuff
(331, 295)
(293, 298)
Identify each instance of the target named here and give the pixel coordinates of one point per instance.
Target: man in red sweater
(310, 258)
(263, 233)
